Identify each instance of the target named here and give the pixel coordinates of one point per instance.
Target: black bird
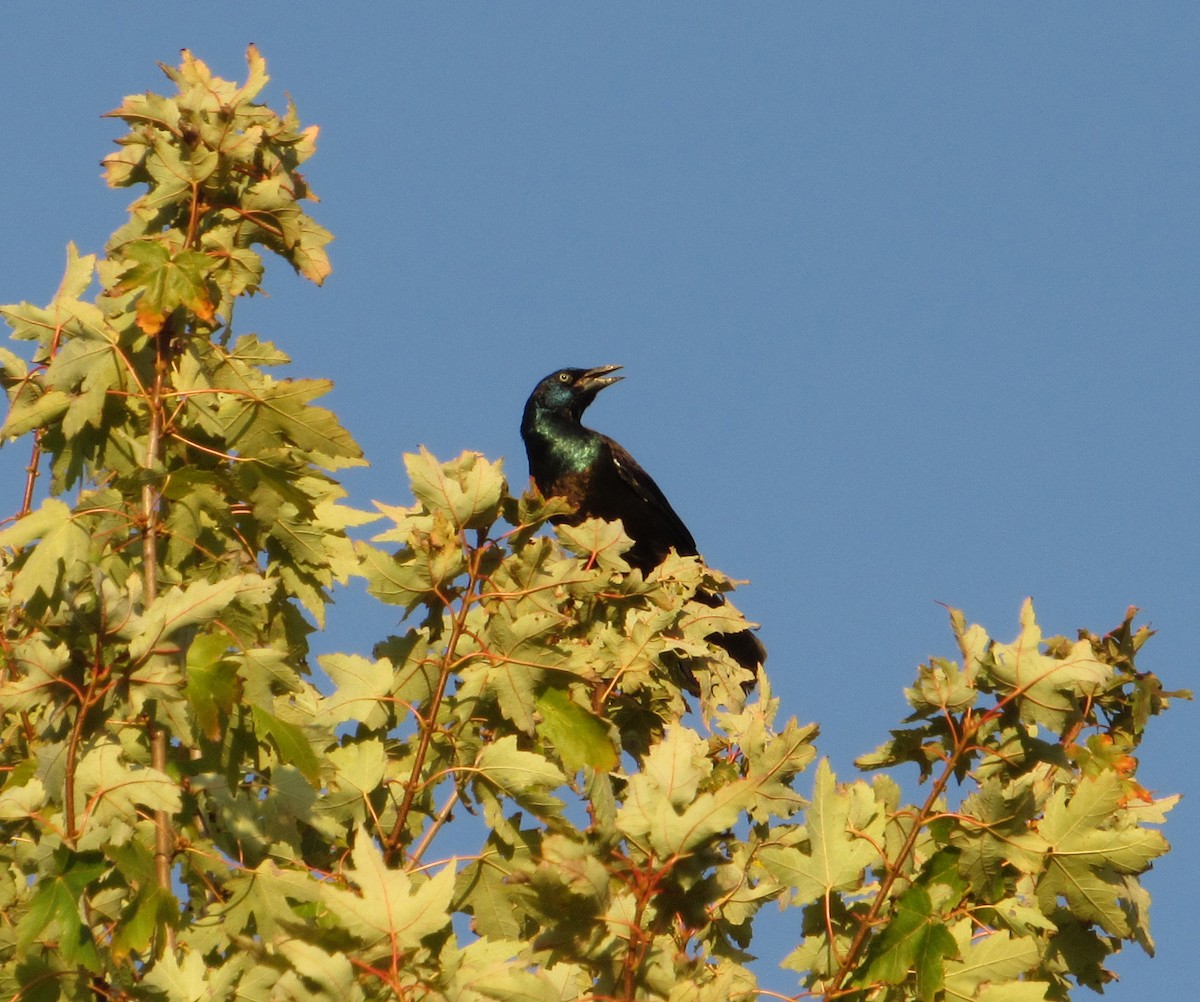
(604, 481)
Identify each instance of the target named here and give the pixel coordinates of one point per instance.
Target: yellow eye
(564, 377)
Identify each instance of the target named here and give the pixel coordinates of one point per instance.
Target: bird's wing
(648, 492)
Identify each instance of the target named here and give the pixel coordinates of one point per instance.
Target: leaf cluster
(1017, 877)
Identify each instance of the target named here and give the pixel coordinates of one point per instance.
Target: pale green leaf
(1051, 687)
(12, 366)
(178, 981)
(524, 776)
(1015, 991)
(362, 690)
(498, 969)
(389, 910)
(1092, 845)
(360, 765)
(663, 805)
(316, 975)
(36, 681)
(29, 411)
(835, 857)
(109, 787)
(467, 489)
(77, 276)
(49, 515)
(62, 557)
(992, 958)
(600, 543)
(194, 604)
(25, 801)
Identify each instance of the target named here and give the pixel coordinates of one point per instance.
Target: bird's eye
(564, 377)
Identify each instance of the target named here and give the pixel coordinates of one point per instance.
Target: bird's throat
(559, 448)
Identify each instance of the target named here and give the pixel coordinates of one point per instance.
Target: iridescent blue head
(567, 392)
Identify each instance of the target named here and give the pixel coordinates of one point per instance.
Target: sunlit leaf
(834, 857)
(167, 281)
(387, 909)
(467, 489)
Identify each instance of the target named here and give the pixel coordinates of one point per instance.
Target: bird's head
(569, 391)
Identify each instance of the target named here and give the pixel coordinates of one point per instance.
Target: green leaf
(1092, 844)
(31, 411)
(362, 690)
(166, 281)
(466, 489)
(411, 576)
(88, 361)
(316, 974)
(151, 911)
(77, 276)
(52, 916)
(212, 686)
(995, 958)
(665, 808)
(177, 981)
(49, 515)
(13, 369)
(524, 776)
(269, 417)
(1051, 687)
(599, 542)
(21, 800)
(290, 742)
(390, 911)
(914, 939)
(578, 735)
(942, 685)
(60, 559)
(835, 856)
(519, 652)
(485, 887)
(108, 787)
(178, 608)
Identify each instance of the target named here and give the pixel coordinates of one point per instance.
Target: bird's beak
(594, 380)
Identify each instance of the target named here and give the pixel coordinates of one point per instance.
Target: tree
(191, 810)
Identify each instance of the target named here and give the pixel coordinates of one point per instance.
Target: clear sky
(906, 294)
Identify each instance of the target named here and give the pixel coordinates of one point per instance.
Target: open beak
(594, 380)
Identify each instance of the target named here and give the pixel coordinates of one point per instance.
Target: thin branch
(31, 474)
(164, 833)
(414, 857)
(848, 963)
(393, 847)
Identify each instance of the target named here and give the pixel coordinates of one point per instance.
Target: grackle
(602, 480)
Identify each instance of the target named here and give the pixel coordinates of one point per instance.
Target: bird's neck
(557, 444)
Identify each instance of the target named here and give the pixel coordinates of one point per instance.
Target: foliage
(190, 811)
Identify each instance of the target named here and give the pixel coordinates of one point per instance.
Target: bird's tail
(743, 646)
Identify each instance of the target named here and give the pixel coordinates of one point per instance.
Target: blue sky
(907, 298)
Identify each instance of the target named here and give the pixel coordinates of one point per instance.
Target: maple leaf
(390, 910)
(167, 281)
